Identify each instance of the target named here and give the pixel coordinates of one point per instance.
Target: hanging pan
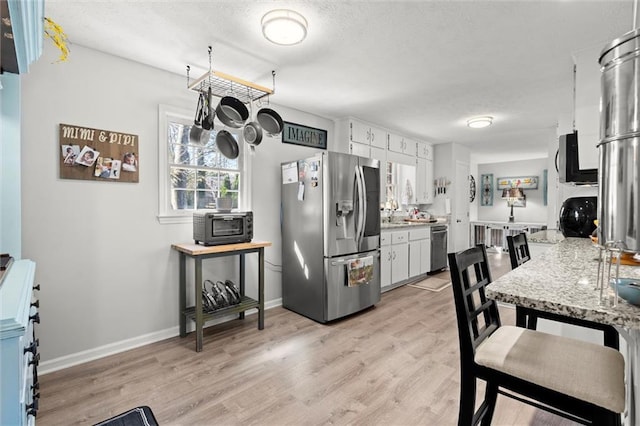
(209, 113)
(196, 131)
(232, 112)
(252, 131)
(227, 144)
(270, 121)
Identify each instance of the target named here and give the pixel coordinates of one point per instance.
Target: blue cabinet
(18, 348)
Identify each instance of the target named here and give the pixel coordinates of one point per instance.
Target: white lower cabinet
(419, 251)
(394, 255)
(404, 255)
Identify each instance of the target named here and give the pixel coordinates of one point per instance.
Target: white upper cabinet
(401, 144)
(425, 151)
(424, 174)
(368, 135)
(424, 181)
(359, 149)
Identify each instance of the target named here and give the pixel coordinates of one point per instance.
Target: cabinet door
(378, 137)
(425, 151)
(410, 147)
(428, 190)
(425, 256)
(396, 143)
(385, 266)
(399, 262)
(359, 149)
(414, 258)
(381, 155)
(360, 132)
(421, 181)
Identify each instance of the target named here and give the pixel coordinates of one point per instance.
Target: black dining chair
(577, 380)
(528, 317)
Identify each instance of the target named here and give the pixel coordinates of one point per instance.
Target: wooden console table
(196, 313)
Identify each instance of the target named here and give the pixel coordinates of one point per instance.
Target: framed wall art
(524, 182)
(486, 185)
(94, 154)
(298, 134)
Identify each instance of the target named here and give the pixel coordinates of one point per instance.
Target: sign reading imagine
(304, 135)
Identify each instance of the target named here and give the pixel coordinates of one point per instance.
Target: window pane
(207, 179)
(182, 178)
(181, 199)
(198, 172)
(206, 199)
(179, 154)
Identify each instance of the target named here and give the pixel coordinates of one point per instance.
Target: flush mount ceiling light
(479, 122)
(284, 27)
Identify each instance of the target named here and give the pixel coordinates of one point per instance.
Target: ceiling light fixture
(284, 27)
(480, 122)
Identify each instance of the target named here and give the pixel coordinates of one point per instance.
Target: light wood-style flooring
(394, 364)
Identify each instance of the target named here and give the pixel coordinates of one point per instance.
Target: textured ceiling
(419, 67)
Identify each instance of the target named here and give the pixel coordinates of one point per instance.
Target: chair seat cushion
(586, 371)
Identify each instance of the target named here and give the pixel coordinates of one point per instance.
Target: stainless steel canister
(619, 148)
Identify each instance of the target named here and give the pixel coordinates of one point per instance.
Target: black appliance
(438, 247)
(577, 215)
(211, 228)
(567, 163)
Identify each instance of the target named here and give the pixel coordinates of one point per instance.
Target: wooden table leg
(261, 288)
(242, 288)
(198, 295)
(182, 295)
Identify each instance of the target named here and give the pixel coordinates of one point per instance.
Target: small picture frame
(486, 188)
(87, 157)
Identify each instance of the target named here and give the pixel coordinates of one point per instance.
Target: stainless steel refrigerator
(330, 219)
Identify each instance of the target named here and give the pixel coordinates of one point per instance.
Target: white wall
(108, 273)
(535, 211)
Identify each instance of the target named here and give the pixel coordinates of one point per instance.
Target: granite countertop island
(546, 236)
(562, 280)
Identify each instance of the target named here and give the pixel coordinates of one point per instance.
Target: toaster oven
(211, 228)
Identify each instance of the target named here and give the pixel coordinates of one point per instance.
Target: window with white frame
(193, 175)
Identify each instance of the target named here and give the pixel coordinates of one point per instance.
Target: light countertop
(402, 224)
(547, 236)
(563, 280)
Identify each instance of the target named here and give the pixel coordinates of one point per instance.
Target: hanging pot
(209, 113)
(196, 131)
(252, 133)
(227, 145)
(270, 121)
(232, 112)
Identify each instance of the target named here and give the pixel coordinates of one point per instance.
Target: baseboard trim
(127, 344)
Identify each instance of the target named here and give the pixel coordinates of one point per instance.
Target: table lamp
(512, 195)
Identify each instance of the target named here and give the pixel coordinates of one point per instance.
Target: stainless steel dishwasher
(438, 248)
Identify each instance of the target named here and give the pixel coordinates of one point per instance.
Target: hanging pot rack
(223, 84)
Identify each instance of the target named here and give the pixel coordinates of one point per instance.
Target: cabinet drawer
(399, 237)
(418, 234)
(385, 239)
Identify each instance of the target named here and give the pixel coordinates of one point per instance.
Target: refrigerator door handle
(359, 224)
(364, 202)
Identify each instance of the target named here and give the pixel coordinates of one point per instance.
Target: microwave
(211, 228)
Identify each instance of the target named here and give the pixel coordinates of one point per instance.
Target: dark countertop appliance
(577, 215)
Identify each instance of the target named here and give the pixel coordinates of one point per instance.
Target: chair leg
(533, 321)
(612, 338)
(467, 401)
(521, 317)
(491, 395)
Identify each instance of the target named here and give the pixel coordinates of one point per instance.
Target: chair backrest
(477, 316)
(518, 249)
